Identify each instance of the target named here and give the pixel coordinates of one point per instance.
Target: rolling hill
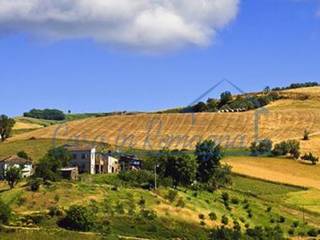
(281, 120)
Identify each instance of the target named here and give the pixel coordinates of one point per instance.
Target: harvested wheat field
(22, 125)
(280, 170)
(281, 120)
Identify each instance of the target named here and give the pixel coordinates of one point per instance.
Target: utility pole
(155, 176)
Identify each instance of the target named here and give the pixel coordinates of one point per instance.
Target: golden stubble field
(281, 120)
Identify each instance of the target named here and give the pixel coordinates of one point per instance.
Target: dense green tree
(13, 175)
(208, 155)
(179, 166)
(261, 147)
(6, 125)
(225, 98)
(200, 107)
(294, 148)
(281, 149)
(49, 165)
(212, 105)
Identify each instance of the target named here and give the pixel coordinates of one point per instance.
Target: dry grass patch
(277, 169)
(22, 125)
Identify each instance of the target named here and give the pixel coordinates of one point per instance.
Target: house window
(83, 156)
(74, 156)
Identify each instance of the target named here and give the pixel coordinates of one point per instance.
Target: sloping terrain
(287, 171)
(281, 120)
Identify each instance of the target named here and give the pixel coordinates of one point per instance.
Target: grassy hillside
(34, 148)
(283, 119)
(172, 221)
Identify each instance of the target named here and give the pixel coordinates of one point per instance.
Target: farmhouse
(88, 160)
(83, 157)
(15, 161)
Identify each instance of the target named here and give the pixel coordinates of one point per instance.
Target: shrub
(306, 135)
(236, 226)
(201, 216)
(213, 216)
(224, 220)
(172, 194)
(5, 213)
(295, 224)
(148, 214)
(55, 211)
(107, 207)
(36, 218)
(119, 208)
(291, 231)
(282, 219)
(56, 198)
(224, 233)
(23, 154)
(35, 184)
(225, 197)
(78, 218)
(235, 201)
(142, 202)
(22, 200)
(269, 209)
(312, 232)
(309, 157)
(181, 203)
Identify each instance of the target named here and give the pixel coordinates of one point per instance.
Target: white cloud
(143, 25)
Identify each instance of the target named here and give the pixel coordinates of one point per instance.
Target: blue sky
(268, 43)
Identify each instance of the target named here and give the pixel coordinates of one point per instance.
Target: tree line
(47, 114)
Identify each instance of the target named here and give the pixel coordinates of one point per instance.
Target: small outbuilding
(71, 173)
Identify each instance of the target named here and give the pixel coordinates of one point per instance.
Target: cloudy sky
(106, 55)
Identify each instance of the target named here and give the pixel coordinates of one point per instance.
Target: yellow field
(284, 119)
(277, 169)
(22, 125)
